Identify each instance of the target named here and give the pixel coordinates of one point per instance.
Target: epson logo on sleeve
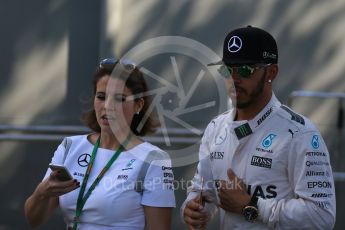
(261, 162)
(319, 184)
(168, 174)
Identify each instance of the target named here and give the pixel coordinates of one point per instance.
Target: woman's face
(114, 105)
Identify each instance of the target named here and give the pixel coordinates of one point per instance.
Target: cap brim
(240, 62)
(215, 63)
(234, 62)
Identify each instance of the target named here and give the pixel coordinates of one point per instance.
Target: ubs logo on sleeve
(263, 162)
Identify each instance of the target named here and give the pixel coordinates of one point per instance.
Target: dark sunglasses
(244, 71)
(109, 64)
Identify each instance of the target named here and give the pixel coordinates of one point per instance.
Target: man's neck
(251, 111)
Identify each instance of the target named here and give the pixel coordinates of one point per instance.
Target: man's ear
(272, 72)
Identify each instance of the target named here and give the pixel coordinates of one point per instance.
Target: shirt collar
(248, 127)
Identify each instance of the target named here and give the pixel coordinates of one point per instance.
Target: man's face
(246, 91)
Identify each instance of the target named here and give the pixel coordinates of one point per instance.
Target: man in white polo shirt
(261, 164)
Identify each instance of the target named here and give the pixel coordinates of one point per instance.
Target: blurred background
(50, 49)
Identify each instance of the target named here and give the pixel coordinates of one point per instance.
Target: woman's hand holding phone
(58, 183)
(62, 172)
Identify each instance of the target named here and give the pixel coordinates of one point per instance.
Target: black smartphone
(64, 174)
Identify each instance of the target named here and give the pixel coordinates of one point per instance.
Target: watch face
(250, 213)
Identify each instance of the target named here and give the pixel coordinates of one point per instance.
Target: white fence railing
(176, 135)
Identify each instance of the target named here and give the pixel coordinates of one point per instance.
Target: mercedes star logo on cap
(234, 44)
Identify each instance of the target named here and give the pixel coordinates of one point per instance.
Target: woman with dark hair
(129, 184)
(135, 82)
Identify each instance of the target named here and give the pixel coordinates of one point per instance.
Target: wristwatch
(251, 211)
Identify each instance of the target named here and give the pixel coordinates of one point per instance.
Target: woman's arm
(40, 205)
(38, 208)
(158, 218)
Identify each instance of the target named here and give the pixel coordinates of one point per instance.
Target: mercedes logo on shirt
(84, 159)
(234, 44)
(221, 137)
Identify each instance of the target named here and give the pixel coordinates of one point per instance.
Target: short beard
(253, 96)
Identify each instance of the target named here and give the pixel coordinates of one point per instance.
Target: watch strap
(253, 202)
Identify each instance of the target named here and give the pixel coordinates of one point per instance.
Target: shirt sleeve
(158, 185)
(203, 177)
(310, 174)
(57, 157)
